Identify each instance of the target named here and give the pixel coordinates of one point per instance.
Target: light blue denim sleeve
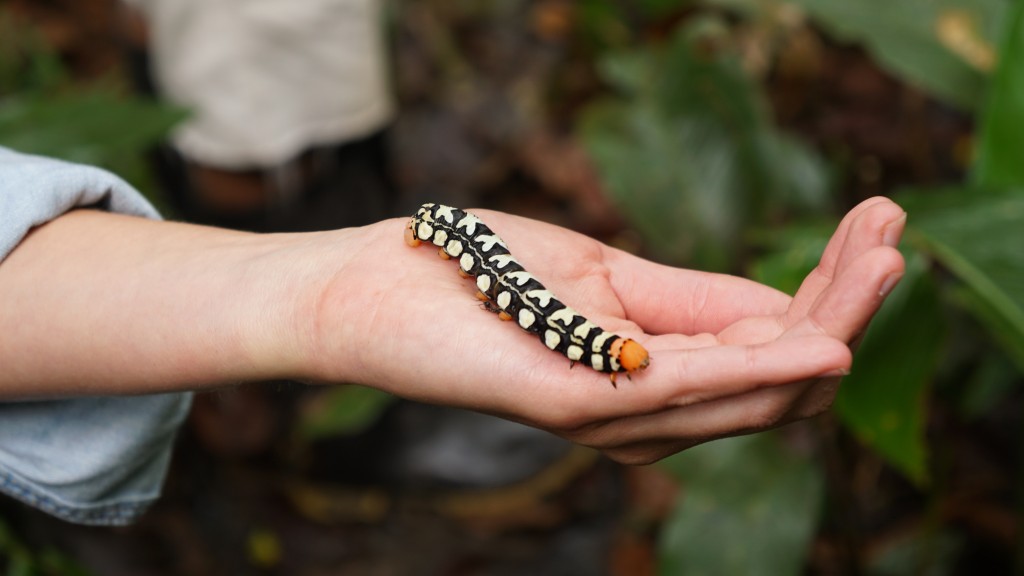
(98, 460)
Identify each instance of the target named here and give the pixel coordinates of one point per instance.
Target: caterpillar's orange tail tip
(633, 356)
(410, 235)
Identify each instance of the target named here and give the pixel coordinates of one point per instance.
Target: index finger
(863, 228)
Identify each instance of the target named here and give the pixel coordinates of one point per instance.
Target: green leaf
(883, 400)
(943, 46)
(749, 505)
(43, 112)
(798, 250)
(792, 173)
(989, 385)
(688, 151)
(96, 126)
(341, 410)
(1001, 138)
(978, 236)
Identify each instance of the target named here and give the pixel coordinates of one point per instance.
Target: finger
(666, 300)
(838, 243)
(689, 377)
(874, 222)
(880, 224)
(844, 309)
(845, 325)
(815, 399)
(645, 453)
(705, 374)
(647, 438)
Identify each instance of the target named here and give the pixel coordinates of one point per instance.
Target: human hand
(728, 356)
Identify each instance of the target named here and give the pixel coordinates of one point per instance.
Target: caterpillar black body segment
(512, 292)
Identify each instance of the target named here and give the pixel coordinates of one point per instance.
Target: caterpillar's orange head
(633, 356)
(410, 234)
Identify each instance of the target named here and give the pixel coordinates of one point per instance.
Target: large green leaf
(978, 236)
(883, 400)
(94, 126)
(687, 148)
(748, 505)
(1002, 138)
(945, 47)
(42, 111)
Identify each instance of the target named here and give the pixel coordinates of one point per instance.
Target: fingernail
(889, 283)
(893, 231)
(837, 373)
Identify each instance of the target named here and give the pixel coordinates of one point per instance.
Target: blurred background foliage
(100, 122)
(23, 560)
(729, 135)
(964, 251)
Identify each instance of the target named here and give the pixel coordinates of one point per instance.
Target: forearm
(97, 303)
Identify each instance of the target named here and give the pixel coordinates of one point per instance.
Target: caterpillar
(507, 289)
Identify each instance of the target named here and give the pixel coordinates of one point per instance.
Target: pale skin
(96, 303)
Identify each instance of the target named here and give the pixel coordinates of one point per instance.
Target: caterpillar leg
(411, 238)
(490, 306)
(444, 255)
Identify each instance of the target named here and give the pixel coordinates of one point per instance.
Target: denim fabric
(99, 460)
(34, 190)
(89, 460)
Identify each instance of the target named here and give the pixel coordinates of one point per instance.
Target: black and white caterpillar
(513, 293)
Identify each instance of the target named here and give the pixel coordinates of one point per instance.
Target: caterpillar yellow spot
(513, 293)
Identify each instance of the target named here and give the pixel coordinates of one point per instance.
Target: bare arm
(98, 303)
(95, 303)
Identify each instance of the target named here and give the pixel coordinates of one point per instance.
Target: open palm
(728, 355)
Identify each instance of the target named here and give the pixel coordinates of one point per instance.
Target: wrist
(338, 324)
(299, 328)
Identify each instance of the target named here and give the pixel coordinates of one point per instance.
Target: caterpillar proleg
(514, 294)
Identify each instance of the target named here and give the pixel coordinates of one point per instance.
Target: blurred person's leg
(288, 104)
